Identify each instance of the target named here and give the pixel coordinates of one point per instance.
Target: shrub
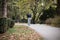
(53, 21)
(56, 22)
(48, 21)
(3, 25)
(10, 23)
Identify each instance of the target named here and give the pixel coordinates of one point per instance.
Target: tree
(13, 10)
(22, 7)
(58, 7)
(4, 8)
(0, 8)
(38, 6)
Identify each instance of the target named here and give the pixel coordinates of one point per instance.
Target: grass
(21, 33)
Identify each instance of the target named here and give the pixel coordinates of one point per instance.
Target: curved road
(48, 32)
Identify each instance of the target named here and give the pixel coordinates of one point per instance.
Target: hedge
(5, 24)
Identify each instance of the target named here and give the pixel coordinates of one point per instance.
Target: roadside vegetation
(55, 22)
(20, 33)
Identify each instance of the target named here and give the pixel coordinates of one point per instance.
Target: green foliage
(22, 7)
(3, 25)
(10, 23)
(47, 14)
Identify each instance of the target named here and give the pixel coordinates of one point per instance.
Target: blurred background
(42, 11)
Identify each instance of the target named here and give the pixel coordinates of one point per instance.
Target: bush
(10, 23)
(48, 21)
(53, 21)
(3, 25)
(56, 22)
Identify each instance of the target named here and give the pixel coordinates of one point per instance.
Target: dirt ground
(20, 33)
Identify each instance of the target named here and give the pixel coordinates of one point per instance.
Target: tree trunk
(0, 8)
(4, 8)
(34, 12)
(58, 7)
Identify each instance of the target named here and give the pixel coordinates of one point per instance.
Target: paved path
(48, 32)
